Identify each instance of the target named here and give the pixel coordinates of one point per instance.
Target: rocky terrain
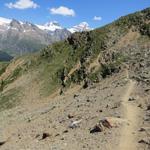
(91, 91)
(48, 124)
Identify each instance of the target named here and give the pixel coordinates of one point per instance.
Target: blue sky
(70, 12)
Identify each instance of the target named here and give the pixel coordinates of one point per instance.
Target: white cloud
(64, 11)
(22, 4)
(97, 18)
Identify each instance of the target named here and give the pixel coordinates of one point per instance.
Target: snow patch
(83, 26)
(51, 26)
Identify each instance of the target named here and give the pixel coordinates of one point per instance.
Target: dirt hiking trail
(128, 136)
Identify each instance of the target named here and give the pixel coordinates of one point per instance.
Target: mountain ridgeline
(86, 58)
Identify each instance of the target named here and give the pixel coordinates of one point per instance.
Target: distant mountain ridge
(18, 38)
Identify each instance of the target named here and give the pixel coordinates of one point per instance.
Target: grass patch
(9, 99)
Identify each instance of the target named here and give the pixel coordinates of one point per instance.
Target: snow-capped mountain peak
(83, 26)
(51, 26)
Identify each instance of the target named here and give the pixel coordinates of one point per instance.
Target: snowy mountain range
(52, 26)
(17, 38)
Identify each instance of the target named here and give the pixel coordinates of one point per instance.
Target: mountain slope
(89, 76)
(110, 46)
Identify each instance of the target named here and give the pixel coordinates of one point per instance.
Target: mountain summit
(83, 26)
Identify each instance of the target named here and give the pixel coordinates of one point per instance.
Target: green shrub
(145, 29)
(108, 69)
